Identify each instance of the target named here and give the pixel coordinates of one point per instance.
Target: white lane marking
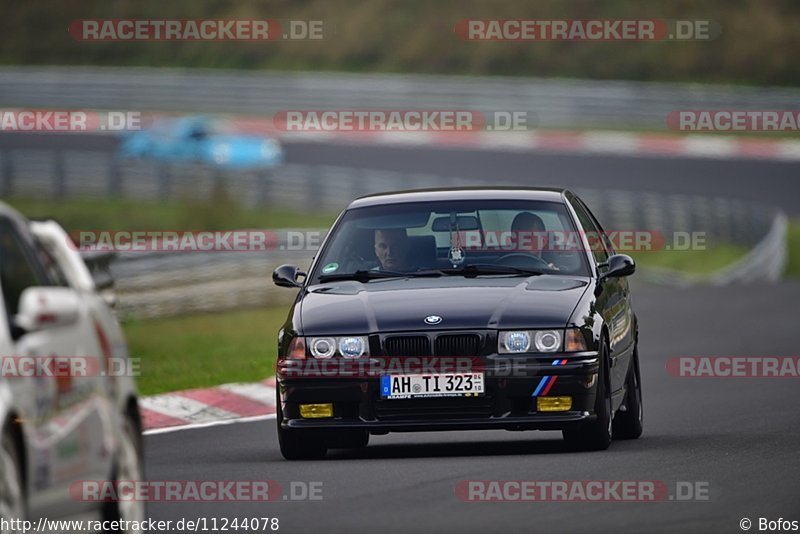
(789, 150)
(250, 419)
(613, 142)
(185, 408)
(256, 391)
(404, 138)
(512, 141)
(712, 147)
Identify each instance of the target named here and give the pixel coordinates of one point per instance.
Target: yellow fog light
(553, 404)
(315, 411)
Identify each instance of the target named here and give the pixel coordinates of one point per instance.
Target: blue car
(200, 139)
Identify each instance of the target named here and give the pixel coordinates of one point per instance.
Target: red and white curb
(195, 408)
(711, 145)
(696, 145)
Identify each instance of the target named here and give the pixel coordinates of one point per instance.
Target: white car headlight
(511, 342)
(517, 341)
(323, 348)
(547, 340)
(352, 347)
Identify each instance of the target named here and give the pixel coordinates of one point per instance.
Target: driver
(531, 235)
(392, 248)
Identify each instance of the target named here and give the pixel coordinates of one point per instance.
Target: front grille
(434, 409)
(458, 345)
(407, 346)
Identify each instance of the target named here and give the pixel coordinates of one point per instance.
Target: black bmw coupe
(458, 309)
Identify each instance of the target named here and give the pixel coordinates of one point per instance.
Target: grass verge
(793, 237)
(178, 215)
(205, 350)
(699, 262)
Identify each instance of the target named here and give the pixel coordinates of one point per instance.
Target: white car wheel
(129, 468)
(12, 498)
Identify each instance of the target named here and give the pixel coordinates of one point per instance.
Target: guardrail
(157, 284)
(557, 103)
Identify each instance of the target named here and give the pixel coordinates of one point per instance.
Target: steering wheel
(521, 260)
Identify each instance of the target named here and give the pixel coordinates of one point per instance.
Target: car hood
(478, 303)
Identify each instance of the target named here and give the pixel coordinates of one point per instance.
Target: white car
(59, 429)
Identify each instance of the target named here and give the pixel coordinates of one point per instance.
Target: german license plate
(431, 385)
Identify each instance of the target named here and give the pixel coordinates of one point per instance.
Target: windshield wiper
(366, 276)
(476, 269)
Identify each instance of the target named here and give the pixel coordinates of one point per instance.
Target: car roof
(552, 194)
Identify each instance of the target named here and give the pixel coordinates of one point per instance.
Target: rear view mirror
(287, 275)
(47, 307)
(620, 265)
(464, 222)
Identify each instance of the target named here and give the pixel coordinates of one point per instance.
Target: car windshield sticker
(330, 268)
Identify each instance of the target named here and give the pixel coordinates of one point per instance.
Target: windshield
(502, 237)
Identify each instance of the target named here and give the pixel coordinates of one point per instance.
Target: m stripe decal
(547, 381)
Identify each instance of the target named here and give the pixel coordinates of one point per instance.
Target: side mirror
(286, 276)
(619, 265)
(47, 307)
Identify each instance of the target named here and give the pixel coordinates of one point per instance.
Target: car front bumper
(509, 402)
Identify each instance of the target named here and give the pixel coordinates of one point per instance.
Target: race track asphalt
(739, 436)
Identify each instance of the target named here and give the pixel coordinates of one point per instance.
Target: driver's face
(391, 248)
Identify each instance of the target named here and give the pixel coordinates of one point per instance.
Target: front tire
(13, 504)
(129, 466)
(630, 423)
(300, 444)
(595, 435)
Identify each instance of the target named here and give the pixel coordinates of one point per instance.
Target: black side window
(17, 272)
(593, 233)
(609, 246)
(50, 265)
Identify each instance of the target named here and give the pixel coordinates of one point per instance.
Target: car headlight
(323, 348)
(511, 342)
(547, 340)
(517, 341)
(351, 347)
